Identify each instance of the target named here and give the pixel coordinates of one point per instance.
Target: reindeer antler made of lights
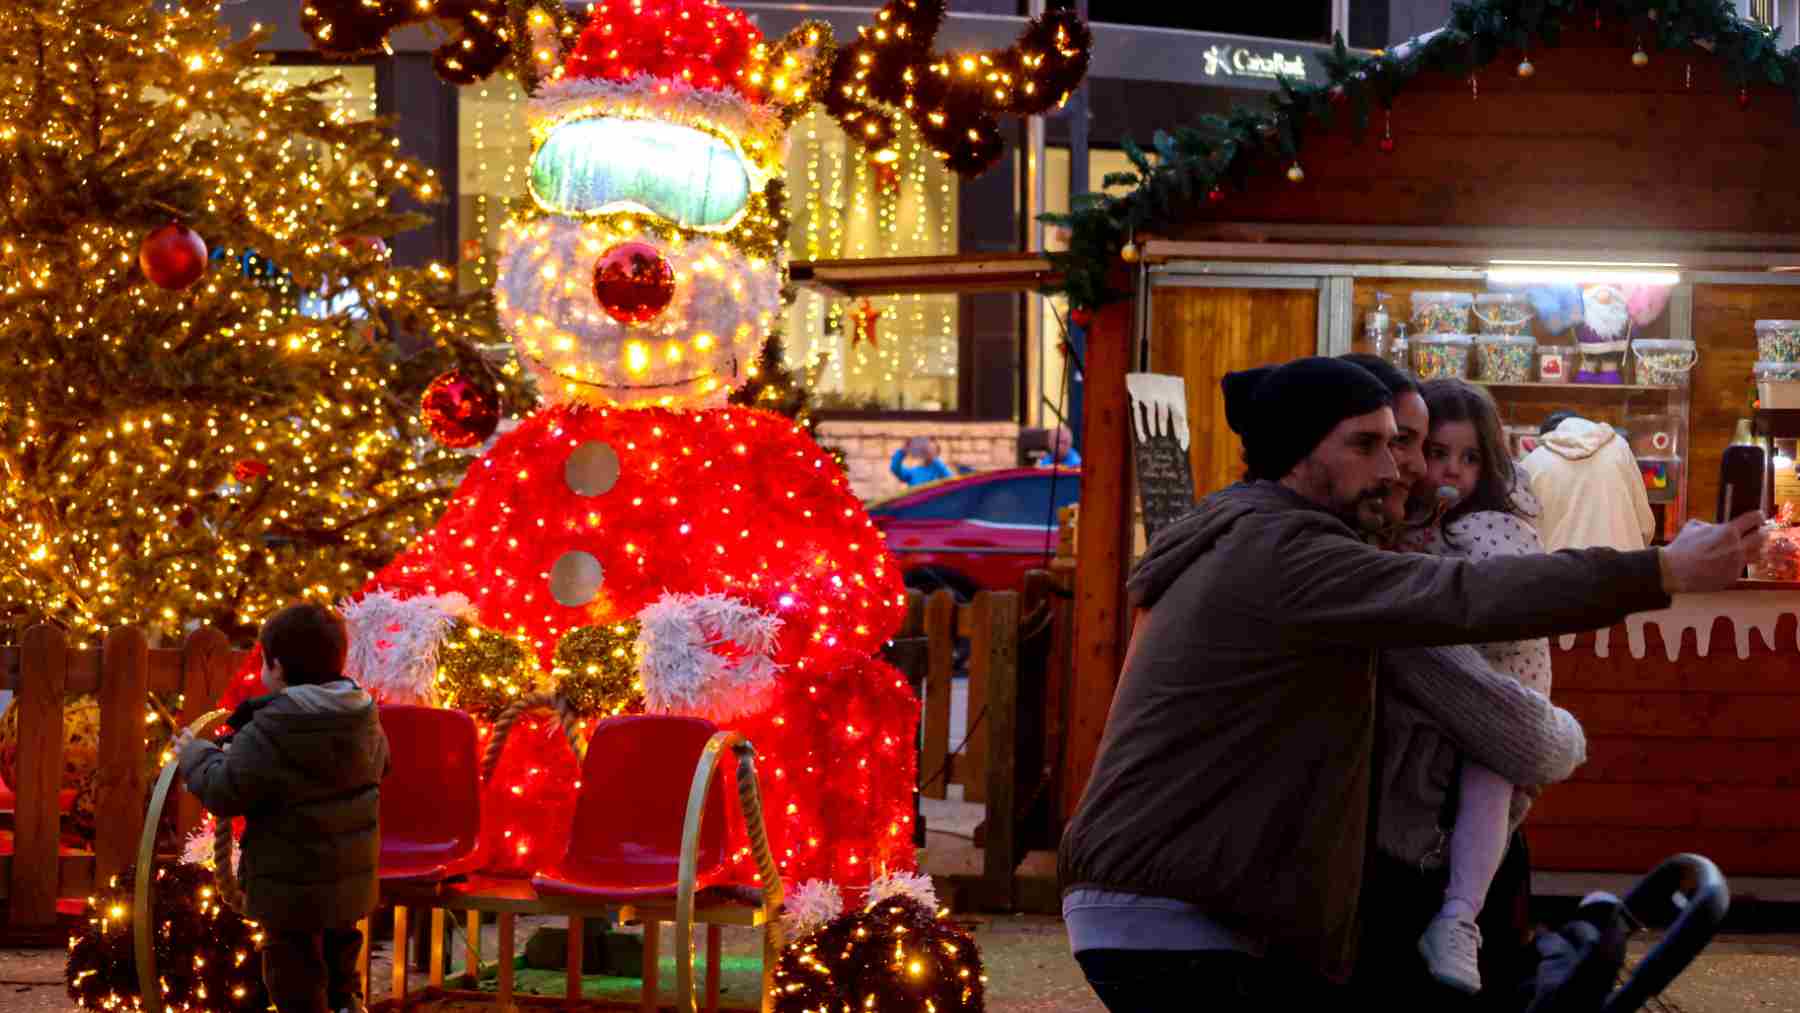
(954, 99)
(488, 34)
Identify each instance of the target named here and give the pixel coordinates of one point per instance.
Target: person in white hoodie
(1587, 482)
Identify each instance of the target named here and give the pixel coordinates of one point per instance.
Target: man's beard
(1366, 511)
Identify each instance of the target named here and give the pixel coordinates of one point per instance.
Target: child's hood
(329, 731)
(339, 697)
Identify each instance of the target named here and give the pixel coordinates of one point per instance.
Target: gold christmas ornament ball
(1640, 59)
(597, 669)
(1526, 69)
(1296, 174)
(1129, 254)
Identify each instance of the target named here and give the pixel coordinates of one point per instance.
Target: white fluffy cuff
(394, 643)
(682, 671)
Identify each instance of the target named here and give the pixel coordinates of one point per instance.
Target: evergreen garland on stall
(1216, 155)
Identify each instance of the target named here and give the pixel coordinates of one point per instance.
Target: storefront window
(884, 353)
(1051, 373)
(494, 151)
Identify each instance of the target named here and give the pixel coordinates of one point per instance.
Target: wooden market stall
(1576, 153)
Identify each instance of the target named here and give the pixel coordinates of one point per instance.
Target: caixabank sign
(1256, 62)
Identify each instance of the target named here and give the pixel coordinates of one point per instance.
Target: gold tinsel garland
(483, 672)
(597, 670)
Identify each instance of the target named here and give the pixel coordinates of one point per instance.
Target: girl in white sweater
(1489, 514)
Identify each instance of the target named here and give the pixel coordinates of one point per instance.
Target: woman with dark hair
(1489, 514)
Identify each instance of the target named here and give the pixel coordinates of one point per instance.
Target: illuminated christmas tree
(774, 387)
(209, 397)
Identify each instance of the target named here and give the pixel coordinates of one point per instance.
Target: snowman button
(575, 578)
(592, 469)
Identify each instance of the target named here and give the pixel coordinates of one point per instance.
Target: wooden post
(1101, 551)
(652, 962)
(997, 625)
(577, 944)
(119, 801)
(206, 666)
(437, 948)
(503, 993)
(472, 951)
(976, 622)
(940, 630)
(37, 822)
(367, 928)
(397, 991)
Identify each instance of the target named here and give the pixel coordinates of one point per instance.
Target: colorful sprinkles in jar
(1778, 340)
(1502, 313)
(1503, 358)
(1440, 312)
(1435, 356)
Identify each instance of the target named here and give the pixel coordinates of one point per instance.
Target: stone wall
(869, 445)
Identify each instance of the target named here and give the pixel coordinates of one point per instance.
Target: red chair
(648, 842)
(431, 797)
(667, 860)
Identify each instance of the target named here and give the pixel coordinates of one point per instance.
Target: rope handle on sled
(555, 703)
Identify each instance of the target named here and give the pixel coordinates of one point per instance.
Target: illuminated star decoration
(865, 317)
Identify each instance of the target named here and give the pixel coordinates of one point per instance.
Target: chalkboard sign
(1159, 442)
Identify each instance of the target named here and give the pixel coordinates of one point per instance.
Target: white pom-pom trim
(810, 906)
(394, 643)
(912, 886)
(198, 848)
(683, 674)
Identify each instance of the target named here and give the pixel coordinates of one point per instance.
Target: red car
(977, 532)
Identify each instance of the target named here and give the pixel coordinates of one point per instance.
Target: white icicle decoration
(683, 674)
(808, 907)
(394, 643)
(913, 886)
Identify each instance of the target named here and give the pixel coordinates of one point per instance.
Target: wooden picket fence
(42, 671)
(1005, 757)
(1007, 750)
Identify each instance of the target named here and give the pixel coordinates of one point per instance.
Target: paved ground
(1030, 971)
(1027, 958)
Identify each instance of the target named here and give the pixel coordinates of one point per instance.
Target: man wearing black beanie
(1283, 415)
(1217, 855)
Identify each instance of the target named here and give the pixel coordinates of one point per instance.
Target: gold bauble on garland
(481, 671)
(597, 669)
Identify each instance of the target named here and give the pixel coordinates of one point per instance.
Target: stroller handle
(1698, 910)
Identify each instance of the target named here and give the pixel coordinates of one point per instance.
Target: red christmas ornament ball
(1081, 317)
(458, 413)
(633, 283)
(1216, 194)
(173, 257)
(249, 469)
(373, 244)
(1743, 98)
(1387, 145)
